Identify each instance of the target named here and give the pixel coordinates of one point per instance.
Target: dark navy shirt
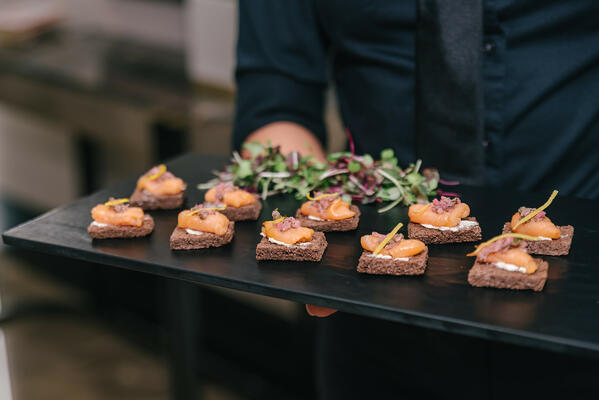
(540, 79)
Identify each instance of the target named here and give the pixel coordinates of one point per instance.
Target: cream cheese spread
(386, 257)
(509, 267)
(194, 232)
(464, 224)
(303, 244)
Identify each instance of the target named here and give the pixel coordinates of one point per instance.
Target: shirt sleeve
(281, 71)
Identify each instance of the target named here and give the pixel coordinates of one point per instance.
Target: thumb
(318, 311)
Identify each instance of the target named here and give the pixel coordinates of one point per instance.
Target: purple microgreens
(448, 194)
(332, 172)
(366, 191)
(448, 183)
(274, 174)
(524, 211)
(350, 139)
(500, 246)
(288, 223)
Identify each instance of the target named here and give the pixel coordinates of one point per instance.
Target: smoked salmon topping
(491, 241)
(509, 249)
(387, 238)
(228, 194)
(205, 209)
(286, 229)
(536, 211)
(160, 181)
(445, 212)
(537, 226)
(534, 221)
(398, 247)
(328, 207)
(117, 212)
(516, 257)
(203, 219)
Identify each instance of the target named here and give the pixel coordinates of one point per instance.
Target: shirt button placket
(493, 74)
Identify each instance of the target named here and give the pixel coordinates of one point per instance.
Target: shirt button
(489, 47)
(485, 144)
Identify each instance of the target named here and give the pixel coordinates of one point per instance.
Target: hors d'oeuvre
(504, 263)
(443, 221)
(285, 239)
(392, 254)
(159, 189)
(240, 205)
(554, 240)
(202, 227)
(328, 212)
(117, 219)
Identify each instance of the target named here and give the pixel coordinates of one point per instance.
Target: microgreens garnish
(353, 177)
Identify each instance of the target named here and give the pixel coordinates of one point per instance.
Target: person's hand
(318, 311)
(290, 137)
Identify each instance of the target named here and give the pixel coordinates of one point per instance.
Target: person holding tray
(490, 93)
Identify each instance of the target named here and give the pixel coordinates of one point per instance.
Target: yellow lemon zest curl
(423, 209)
(322, 196)
(161, 170)
(116, 201)
(537, 210)
(197, 210)
(387, 239)
(496, 238)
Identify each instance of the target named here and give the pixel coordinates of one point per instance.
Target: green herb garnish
(357, 178)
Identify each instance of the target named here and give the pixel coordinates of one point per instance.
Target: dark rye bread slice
(116, 231)
(488, 275)
(348, 224)
(554, 247)
(435, 236)
(244, 213)
(266, 250)
(181, 240)
(416, 265)
(149, 201)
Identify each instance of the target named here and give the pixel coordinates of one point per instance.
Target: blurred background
(93, 91)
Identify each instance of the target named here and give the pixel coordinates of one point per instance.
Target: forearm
(291, 137)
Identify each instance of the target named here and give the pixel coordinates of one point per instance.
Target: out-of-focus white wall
(210, 37)
(205, 29)
(36, 160)
(144, 21)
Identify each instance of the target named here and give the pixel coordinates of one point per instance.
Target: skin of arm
(290, 136)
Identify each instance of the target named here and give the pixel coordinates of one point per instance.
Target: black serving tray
(563, 317)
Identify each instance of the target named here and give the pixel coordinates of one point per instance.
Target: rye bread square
(415, 265)
(553, 247)
(487, 275)
(150, 201)
(348, 224)
(436, 236)
(182, 240)
(312, 251)
(249, 212)
(107, 231)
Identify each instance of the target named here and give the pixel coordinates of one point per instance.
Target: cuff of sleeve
(263, 98)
